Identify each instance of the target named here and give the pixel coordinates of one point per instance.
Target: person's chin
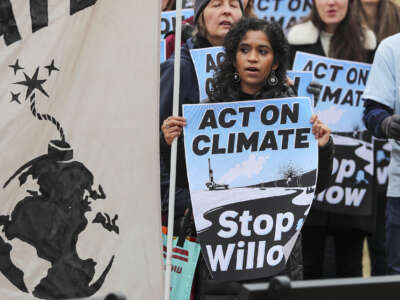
(224, 29)
(333, 20)
(253, 83)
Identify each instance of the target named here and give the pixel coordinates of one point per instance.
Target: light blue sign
(184, 262)
(205, 62)
(168, 20)
(301, 80)
(163, 53)
(286, 12)
(339, 105)
(241, 122)
(255, 161)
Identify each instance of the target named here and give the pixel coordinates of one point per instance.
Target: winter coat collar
(306, 33)
(200, 42)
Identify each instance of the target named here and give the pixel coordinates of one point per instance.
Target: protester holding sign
(382, 118)
(383, 17)
(332, 30)
(255, 65)
(213, 19)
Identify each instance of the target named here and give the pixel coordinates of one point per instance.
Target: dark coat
(305, 37)
(188, 94)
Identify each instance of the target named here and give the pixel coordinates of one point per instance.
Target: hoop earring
(236, 77)
(272, 80)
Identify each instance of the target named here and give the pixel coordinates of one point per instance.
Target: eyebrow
(259, 46)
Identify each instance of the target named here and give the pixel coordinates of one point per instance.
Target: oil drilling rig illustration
(211, 184)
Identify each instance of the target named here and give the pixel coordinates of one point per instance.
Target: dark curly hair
(224, 88)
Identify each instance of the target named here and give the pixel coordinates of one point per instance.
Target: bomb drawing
(51, 218)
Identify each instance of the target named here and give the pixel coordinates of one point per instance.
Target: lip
(331, 12)
(252, 71)
(225, 24)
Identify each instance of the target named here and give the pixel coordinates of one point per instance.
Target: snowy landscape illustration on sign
(252, 170)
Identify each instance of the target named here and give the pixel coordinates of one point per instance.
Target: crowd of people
(257, 56)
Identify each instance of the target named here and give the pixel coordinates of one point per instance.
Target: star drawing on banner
(15, 97)
(16, 67)
(33, 83)
(51, 67)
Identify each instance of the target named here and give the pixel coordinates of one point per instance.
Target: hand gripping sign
(252, 170)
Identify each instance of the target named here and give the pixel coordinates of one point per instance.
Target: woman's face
(254, 61)
(331, 12)
(219, 16)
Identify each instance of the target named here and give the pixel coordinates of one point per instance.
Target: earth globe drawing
(51, 220)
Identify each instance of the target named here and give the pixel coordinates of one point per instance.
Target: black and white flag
(78, 144)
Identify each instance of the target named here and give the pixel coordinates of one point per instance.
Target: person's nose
(227, 8)
(252, 57)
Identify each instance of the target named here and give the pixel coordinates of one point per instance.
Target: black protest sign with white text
(350, 191)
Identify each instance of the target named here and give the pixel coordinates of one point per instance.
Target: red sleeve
(169, 45)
